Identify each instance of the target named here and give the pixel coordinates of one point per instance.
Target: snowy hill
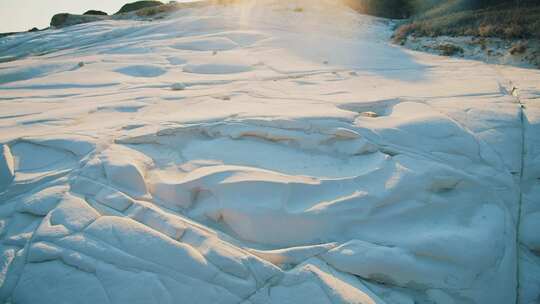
(263, 152)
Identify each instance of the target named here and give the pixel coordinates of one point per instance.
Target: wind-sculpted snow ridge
(263, 152)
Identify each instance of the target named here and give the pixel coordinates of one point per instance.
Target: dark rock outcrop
(172, 6)
(59, 19)
(34, 29)
(64, 19)
(146, 9)
(7, 34)
(95, 13)
(134, 6)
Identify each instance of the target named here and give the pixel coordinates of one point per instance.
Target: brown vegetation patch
(518, 48)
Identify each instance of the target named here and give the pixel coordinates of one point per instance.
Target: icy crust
(263, 153)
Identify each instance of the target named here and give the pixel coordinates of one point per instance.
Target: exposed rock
(95, 13)
(65, 19)
(134, 6)
(34, 29)
(59, 19)
(7, 34)
(118, 189)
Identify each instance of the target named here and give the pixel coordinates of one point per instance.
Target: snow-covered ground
(264, 152)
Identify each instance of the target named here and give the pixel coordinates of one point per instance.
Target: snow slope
(263, 153)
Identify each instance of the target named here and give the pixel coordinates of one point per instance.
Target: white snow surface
(261, 153)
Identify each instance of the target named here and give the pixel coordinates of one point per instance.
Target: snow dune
(259, 153)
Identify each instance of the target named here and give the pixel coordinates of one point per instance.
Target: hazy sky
(22, 15)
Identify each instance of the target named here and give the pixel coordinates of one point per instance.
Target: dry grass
(448, 49)
(502, 21)
(402, 32)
